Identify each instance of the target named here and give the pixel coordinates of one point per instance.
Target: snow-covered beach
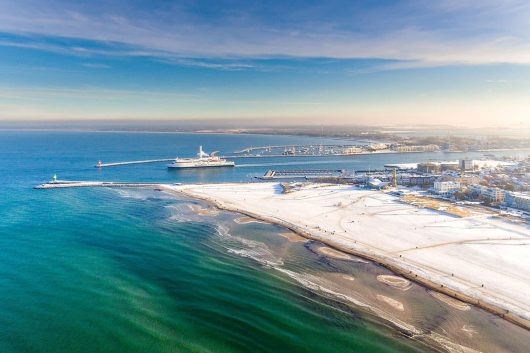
(479, 259)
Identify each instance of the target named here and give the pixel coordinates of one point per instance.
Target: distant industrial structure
(466, 165)
(303, 174)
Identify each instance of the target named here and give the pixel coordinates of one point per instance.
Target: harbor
(353, 197)
(321, 189)
(286, 151)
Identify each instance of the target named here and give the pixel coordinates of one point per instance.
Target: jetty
(302, 174)
(251, 149)
(115, 164)
(59, 184)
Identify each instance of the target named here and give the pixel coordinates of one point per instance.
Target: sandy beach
(394, 281)
(478, 259)
(333, 253)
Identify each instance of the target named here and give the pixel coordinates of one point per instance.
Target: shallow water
(364, 286)
(92, 270)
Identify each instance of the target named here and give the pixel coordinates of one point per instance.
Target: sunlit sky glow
(387, 62)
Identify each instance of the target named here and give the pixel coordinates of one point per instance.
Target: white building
(487, 193)
(517, 200)
(421, 148)
(446, 187)
(352, 150)
(378, 146)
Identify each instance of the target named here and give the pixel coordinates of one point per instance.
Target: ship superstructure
(203, 160)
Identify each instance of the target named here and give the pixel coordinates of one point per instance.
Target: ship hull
(190, 166)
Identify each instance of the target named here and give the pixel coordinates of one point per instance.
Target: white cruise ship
(203, 160)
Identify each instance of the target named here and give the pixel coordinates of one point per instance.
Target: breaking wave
(251, 249)
(137, 194)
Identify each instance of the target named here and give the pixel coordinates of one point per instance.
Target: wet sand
(292, 237)
(204, 211)
(324, 250)
(246, 219)
(394, 281)
(369, 288)
(455, 303)
(392, 302)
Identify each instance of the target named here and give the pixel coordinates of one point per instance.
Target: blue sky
(457, 62)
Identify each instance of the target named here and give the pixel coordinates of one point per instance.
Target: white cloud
(445, 32)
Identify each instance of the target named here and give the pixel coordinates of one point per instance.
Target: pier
(294, 148)
(302, 174)
(61, 184)
(115, 164)
(251, 149)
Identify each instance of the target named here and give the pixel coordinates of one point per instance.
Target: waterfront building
(517, 200)
(491, 194)
(465, 179)
(417, 180)
(421, 148)
(449, 166)
(377, 146)
(352, 150)
(429, 167)
(446, 188)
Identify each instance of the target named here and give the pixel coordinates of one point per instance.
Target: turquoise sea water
(93, 270)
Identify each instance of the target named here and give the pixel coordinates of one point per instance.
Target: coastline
(421, 277)
(416, 272)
